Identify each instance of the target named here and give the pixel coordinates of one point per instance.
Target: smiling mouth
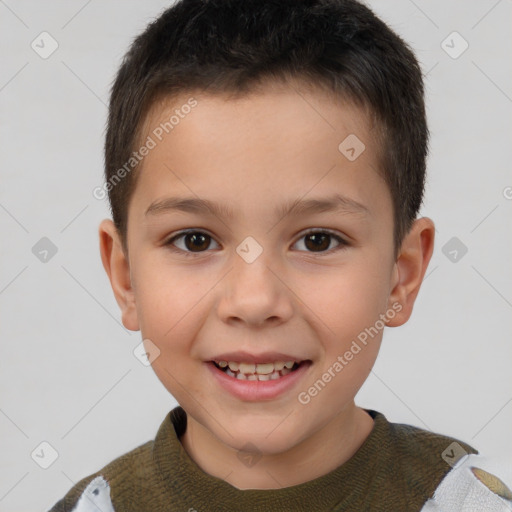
(260, 371)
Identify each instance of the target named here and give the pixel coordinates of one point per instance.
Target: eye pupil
(197, 240)
(318, 240)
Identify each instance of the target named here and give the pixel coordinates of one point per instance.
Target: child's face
(307, 298)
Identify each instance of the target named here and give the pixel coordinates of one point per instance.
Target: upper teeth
(260, 368)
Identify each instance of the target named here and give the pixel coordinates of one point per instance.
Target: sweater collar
(200, 490)
(397, 467)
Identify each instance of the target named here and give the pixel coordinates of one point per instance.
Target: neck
(324, 451)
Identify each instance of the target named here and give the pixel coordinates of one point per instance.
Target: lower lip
(254, 390)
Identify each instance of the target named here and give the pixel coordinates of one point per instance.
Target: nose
(255, 294)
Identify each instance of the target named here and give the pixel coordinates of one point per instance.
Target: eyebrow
(334, 203)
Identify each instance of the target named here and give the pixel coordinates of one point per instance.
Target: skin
(254, 154)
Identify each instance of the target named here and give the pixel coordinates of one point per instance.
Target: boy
(263, 313)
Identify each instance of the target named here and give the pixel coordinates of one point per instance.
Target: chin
(262, 436)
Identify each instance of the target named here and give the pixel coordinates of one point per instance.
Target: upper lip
(263, 357)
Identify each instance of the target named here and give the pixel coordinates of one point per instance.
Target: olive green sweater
(397, 468)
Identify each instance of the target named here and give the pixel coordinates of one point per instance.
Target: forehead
(282, 142)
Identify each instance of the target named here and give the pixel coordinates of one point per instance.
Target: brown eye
(196, 241)
(317, 241)
(190, 242)
(320, 241)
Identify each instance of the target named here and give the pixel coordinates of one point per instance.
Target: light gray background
(68, 374)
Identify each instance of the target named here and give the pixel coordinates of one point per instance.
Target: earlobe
(117, 268)
(410, 267)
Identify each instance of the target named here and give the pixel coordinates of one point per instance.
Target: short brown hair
(230, 46)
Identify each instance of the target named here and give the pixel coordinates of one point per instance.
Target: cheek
(345, 301)
(168, 299)
(346, 309)
(350, 331)
(169, 309)
(168, 317)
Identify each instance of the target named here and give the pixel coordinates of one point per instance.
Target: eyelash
(169, 243)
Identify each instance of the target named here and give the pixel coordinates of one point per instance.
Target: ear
(117, 267)
(410, 267)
